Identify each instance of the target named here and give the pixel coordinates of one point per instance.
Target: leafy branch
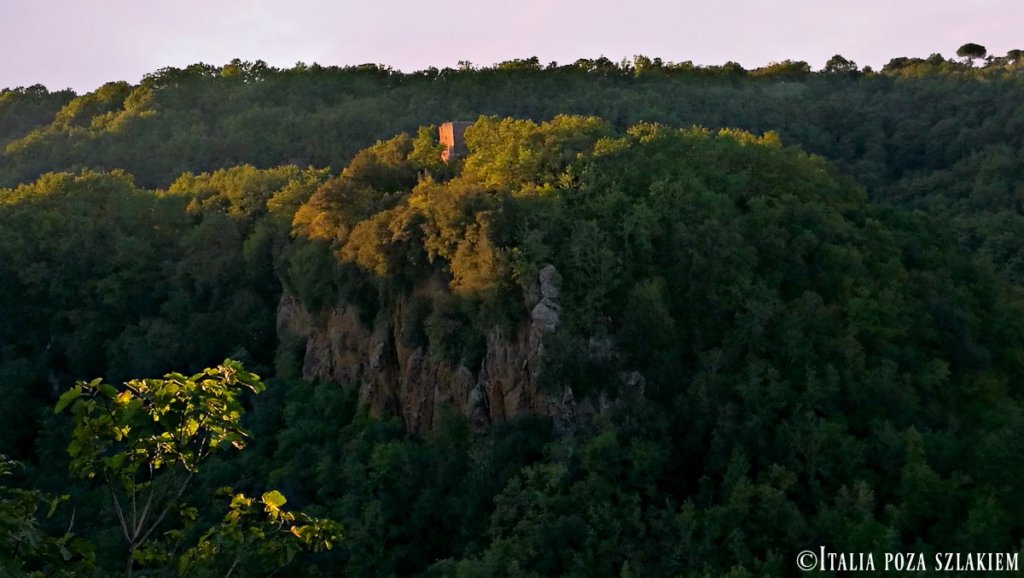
(146, 441)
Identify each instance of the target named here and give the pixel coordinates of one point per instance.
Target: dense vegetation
(821, 290)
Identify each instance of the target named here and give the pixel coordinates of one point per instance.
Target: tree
(26, 548)
(645, 65)
(146, 442)
(785, 69)
(839, 65)
(971, 51)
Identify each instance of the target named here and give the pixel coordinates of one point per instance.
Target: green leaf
(66, 398)
(115, 462)
(107, 390)
(274, 498)
(239, 500)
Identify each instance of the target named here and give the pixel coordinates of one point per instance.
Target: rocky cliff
(393, 378)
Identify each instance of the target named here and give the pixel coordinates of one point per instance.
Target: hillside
(660, 320)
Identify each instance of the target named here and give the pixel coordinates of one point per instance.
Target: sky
(81, 45)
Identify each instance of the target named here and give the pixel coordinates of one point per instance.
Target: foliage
(769, 346)
(276, 535)
(146, 443)
(27, 548)
(102, 277)
(789, 332)
(971, 51)
(839, 65)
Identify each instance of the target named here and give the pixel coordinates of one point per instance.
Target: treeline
(940, 134)
(881, 126)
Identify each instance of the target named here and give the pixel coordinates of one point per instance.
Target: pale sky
(81, 45)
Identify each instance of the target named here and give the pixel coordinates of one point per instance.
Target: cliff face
(395, 379)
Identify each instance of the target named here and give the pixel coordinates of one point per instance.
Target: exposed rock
(633, 380)
(393, 378)
(478, 410)
(550, 282)
(292, 318)
(546, 316)
(547, 313)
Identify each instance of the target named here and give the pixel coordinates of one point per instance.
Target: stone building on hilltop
(451, 136)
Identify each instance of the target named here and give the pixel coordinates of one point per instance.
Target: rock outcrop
(393, 378)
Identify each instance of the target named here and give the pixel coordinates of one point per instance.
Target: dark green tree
(971, 51)
(839, 65)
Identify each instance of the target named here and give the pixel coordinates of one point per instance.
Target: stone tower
(451, 136)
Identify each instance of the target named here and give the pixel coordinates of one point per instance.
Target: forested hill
(941, 134)
(917, 126)
(660, 320)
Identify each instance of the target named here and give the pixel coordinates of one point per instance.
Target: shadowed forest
(762, 311)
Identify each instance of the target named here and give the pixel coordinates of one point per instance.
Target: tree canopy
(971, 50)
(793, 299)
